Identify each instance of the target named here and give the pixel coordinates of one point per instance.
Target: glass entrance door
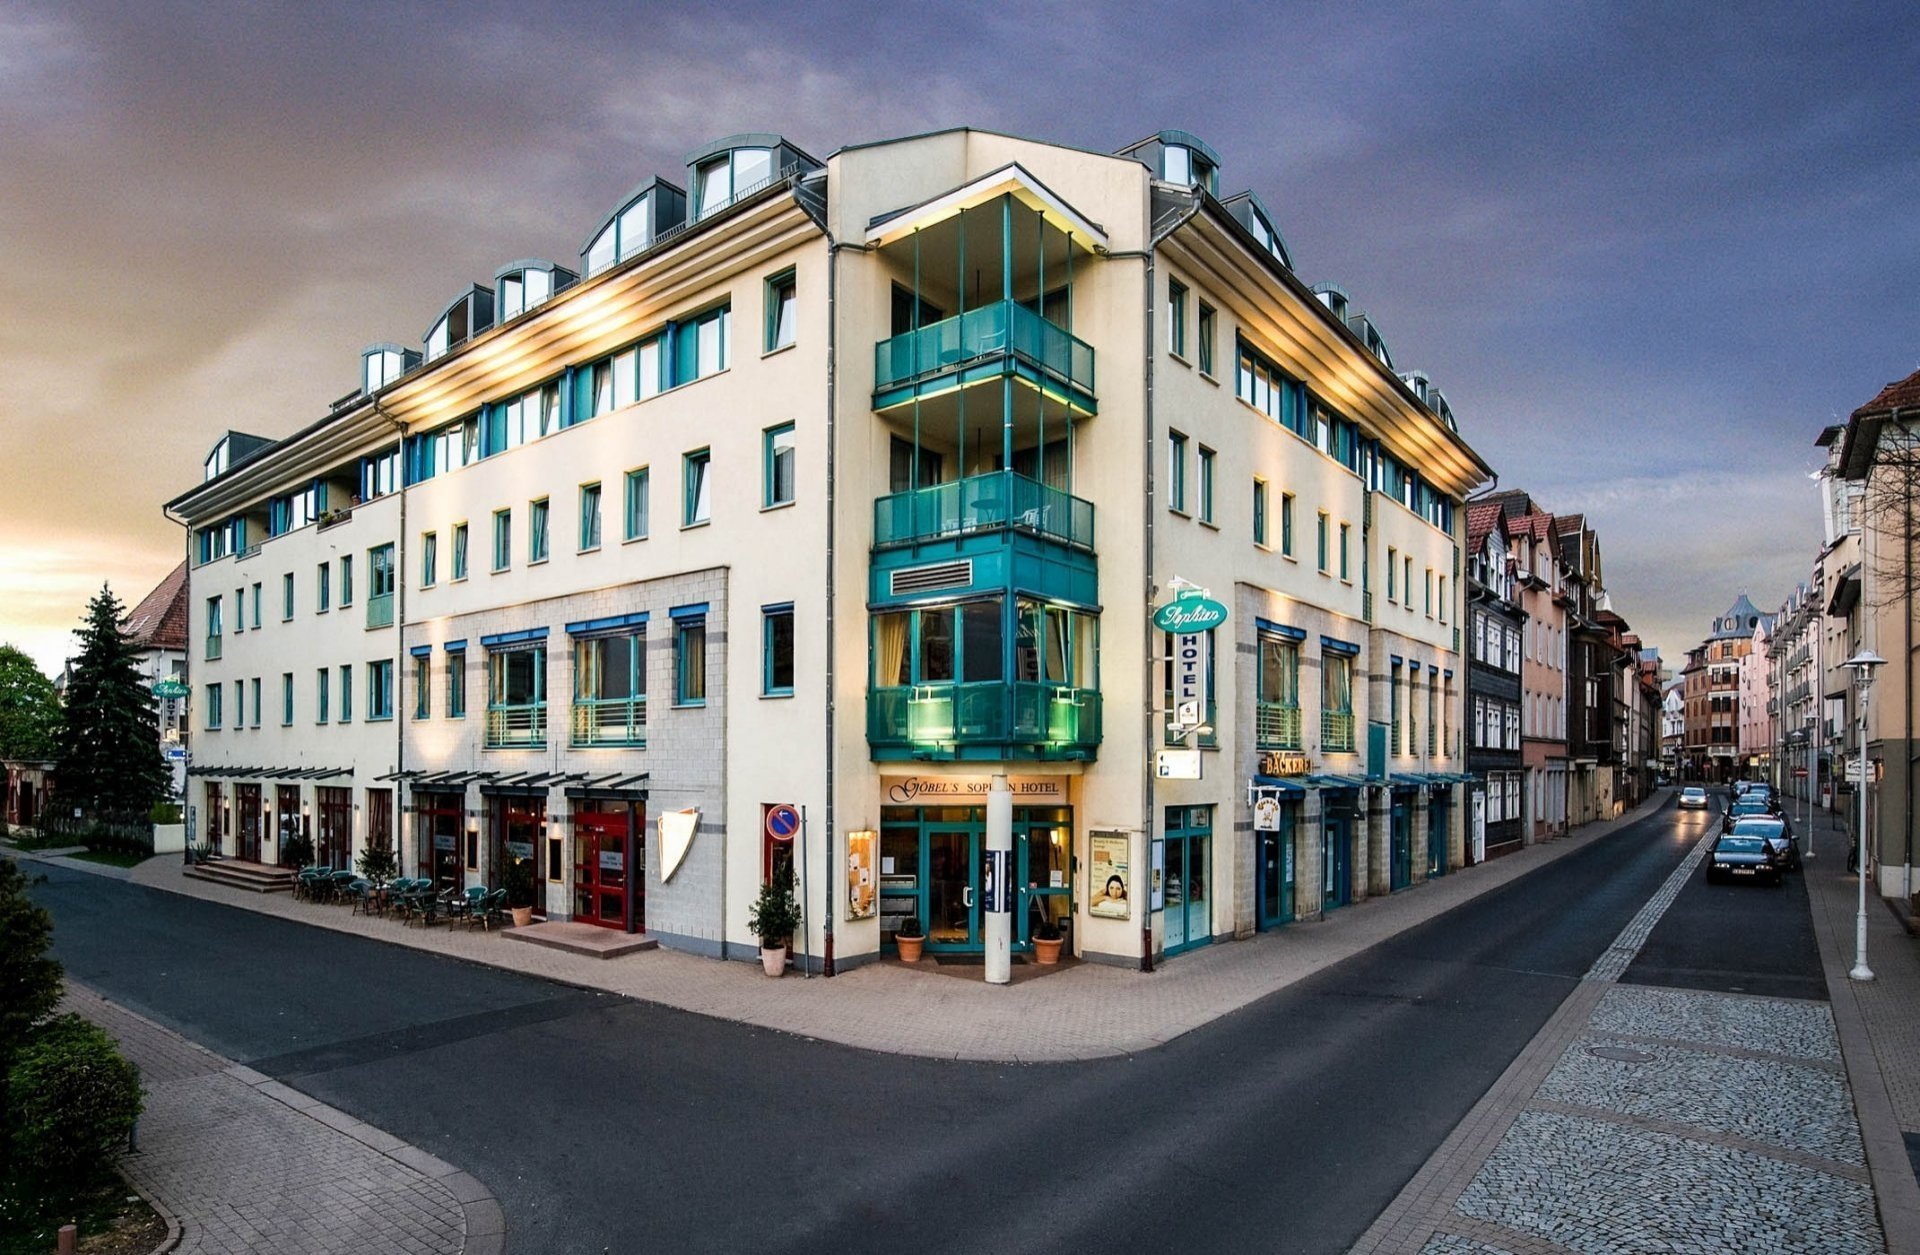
(1400, 866)
(1188, 920)
(600, 873)
(246, 805)
(1336, 853)
(1276, 872)
(1437, 837)
(953, 890)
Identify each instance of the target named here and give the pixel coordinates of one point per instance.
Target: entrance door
(1276, 872)
(519, 829)
(953, 890)
(335, 842)
(440, 815)
(1436, 837)
(1400, 828)
(601, 877)
(1336, 859)
(287, 807)
(246, 805)
(1479, 825)
(1188, 919)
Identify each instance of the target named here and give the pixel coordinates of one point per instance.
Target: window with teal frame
(1260, 512)
(610, 687)
(320, 677)
(1277, 694)
(286, 699)
(346, 579)
(1205, 332)
(776, 651)
(777, 466)
(1177, 317)
(286, 597)
(1286, 523)
(346, 692)
(589, 517)
(690, 658)
(456, 684)
(537, 530)
(1323, 540)
(214, 695)
(1206, 484)
(1176, 472)
(636, 505)
(423, 686)
(697, 488)
(323, 588)
(781, 310)
(429, 560)
(502, 539)
(380, 689)
(459, 552)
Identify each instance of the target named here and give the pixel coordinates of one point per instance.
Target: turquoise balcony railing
(1336, 731)
(516, 726)
(1021, 720)
(998, 500)
(1005, 333)
(1277, 726)
(380, 611)
(610, 721)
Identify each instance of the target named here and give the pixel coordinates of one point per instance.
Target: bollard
(69, 1240)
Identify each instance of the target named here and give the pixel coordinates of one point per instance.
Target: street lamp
(1862, 665)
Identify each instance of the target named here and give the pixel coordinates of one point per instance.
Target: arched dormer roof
(651, 209)
(1178, 157)
(464, 317)
(720, 173)
(382, 363)
(521, 285)
(1252, 213)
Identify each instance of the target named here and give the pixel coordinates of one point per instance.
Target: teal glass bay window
(517, 694)
(1004, 338)
(982, 679)
(610, 682)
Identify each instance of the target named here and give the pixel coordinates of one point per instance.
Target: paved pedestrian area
(1090, 1011)
(1649, 1119)
(248, 1166)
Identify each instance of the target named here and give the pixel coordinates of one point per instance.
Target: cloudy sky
(1647, 250)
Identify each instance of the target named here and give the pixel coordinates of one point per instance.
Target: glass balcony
(517, 726)
(380, 611)
(1004, 337)
(988, 720)
(1277, 726)
(996, 501)
(610, 721)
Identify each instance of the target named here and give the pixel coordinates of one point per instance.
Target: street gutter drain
(1620, 1054)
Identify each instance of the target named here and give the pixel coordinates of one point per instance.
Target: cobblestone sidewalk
(1644, 1119)
(248, 1166)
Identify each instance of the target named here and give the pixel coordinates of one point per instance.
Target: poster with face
(1109, 875)
(860, 886)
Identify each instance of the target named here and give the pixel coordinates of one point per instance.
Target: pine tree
(108, 756)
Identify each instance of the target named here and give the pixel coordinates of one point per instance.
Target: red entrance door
(602, 877)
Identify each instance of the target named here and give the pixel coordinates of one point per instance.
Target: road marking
(1611, 964)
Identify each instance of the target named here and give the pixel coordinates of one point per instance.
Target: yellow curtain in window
(890, 651)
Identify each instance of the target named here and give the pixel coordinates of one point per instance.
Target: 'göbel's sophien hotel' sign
(933, 790)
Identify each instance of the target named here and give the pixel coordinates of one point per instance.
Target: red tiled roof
(160, 620)
(1902, 394)
(1481, 520)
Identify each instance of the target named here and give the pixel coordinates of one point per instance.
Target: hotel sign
(1190, 615)
(933, 790)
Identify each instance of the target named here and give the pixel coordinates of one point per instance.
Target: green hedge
(71, 1099)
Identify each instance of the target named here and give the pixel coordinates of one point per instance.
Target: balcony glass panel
(380, 611)
(1004, 328)
(935, 718)
(995, 501)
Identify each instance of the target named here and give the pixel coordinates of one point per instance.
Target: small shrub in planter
(378, 864)
(72, 1099)
(518, 882)
(774, 914)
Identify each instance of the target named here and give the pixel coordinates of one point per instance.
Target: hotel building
(854, 487)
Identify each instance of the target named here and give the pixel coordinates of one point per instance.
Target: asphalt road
(610, 1125)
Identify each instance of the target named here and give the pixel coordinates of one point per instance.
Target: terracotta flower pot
(1047, 953)
(773, 959)
(522, 915)
(910, 948)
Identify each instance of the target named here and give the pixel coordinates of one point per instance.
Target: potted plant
(910, 938)
(1046, 942)
(378, 864)
(519, 887)
(772, 918)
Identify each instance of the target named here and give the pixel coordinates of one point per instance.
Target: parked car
(1737, 857)
(1775, 832)
(1693, 797)
(1745, 808)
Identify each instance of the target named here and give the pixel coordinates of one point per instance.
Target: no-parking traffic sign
(783, 821)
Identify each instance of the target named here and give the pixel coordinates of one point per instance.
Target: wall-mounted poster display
(1157, 888)
(1109, 875)
(860, 882)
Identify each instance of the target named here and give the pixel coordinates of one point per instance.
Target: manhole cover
(1620, 1054)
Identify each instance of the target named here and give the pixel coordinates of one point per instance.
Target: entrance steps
(588, 939)
(236, 873)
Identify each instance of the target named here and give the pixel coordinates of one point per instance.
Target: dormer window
(381, 364)
(525, 284)
(626, 233)
(718, 180)
(1189, 166)
(216, 461)
(470, 313)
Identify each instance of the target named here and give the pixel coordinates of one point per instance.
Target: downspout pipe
(399, 647)
(1150, 634)
(833, 330)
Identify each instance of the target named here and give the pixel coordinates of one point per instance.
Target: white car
(1693, 798)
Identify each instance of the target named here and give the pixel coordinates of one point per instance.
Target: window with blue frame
(1177, 317)
(1277, 711)
(346, 579)
(690, 657)
(429, 559)
(293, 510)
(346, 692)
(520, 419)
(380, 689)
(1259, 511)
(782, 312)
(1176, 472)
(380, 474)
(215, 693)
(323, 588)
(776, 651)
(423, 686)
(320, 677)
(1267, 388)
(286, 596)
(459, 551)
(610, 686)
(286, 699)
(256, 607)
(502, 539)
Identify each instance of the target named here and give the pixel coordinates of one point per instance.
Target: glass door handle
(966, 897)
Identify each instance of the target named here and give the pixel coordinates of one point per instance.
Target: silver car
(1693, 798)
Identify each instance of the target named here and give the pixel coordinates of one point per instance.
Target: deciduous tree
(29, 711)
